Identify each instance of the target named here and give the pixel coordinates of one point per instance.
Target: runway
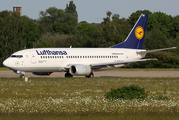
(11, 74)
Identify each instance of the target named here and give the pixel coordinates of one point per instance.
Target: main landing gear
(68, 75)
(91, 75)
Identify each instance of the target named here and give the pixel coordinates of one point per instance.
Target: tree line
(60, 28)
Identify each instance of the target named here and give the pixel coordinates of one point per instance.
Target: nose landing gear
(22, 75)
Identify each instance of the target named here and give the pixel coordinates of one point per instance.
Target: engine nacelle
(80, 69)
(42, 73)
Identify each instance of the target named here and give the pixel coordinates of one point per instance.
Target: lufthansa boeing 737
(82, 61)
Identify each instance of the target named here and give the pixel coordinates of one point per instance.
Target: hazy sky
(94, 10)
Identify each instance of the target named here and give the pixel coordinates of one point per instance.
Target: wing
(118, 63)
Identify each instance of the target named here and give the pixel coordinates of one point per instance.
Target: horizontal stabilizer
(156, 50)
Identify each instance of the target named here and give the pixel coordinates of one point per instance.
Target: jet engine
(79, 69)
(42, 73)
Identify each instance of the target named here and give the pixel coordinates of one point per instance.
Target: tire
(91, 75)
(68, 75)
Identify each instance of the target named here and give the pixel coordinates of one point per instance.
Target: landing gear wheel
(22, 76)
(91, 75)
(68, 75)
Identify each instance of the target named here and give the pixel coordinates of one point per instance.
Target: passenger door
(33, 57)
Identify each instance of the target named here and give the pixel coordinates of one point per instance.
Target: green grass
(136, 116)
(81, 98)
(4, 69)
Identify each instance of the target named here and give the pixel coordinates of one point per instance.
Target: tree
(78, 41)
(63, 28)
(31, 31)
(71, 8)
(53, 15)
(115, 17)
(164, 23)
(158, 20)
(108, 13)
(134, 17)
(111, 32)
(11, 33)
(155, 39)
(16, 32)
(176, 26)
(87, 29)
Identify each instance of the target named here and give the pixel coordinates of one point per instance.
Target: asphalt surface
(11, 74)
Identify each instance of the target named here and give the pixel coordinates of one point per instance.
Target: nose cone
(6, 63)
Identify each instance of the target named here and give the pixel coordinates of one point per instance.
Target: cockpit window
(16, 56)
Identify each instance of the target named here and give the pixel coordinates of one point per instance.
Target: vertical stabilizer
(135, 38)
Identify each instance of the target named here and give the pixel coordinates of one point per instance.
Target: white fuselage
(57, 59)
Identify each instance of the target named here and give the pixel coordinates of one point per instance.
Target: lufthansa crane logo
(139, 32)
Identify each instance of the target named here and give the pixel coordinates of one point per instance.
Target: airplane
(83, 61)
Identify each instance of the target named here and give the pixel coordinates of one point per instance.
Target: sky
(94, 10)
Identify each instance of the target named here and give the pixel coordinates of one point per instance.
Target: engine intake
(80, 69)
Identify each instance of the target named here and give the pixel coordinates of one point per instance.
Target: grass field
(4, 69)
(81, 98)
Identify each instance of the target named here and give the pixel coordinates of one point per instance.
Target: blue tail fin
(135, 38)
